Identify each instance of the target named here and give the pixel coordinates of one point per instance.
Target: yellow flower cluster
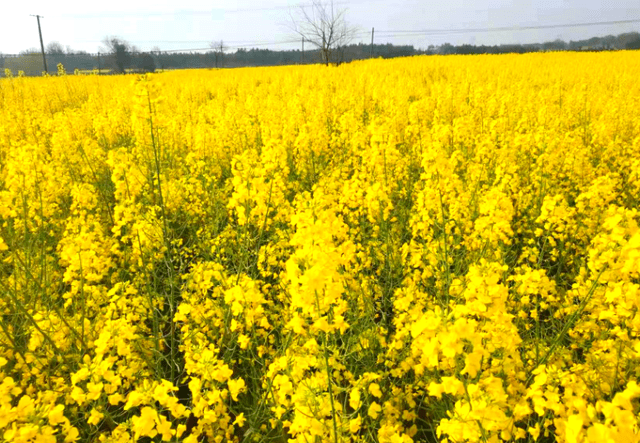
(396, 251)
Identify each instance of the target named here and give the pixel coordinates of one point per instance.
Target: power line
(414, 32)
(176, 41)
(246, 45)
(382, 33)
(505, 28)
(235, 46)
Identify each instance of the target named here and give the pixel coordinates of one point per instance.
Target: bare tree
(325, 27)
(55, 48)
(30, 51)
(218, 52)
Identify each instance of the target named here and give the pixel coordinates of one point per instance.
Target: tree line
(120, 56)
(123, 57)
(625, 41)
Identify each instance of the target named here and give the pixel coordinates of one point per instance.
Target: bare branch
(325, 27)
(218, 52)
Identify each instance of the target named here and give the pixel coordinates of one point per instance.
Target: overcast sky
(192, 24)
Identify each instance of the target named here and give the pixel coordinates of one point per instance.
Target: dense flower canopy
(412, 250)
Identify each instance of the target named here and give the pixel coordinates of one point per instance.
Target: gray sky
(191, 24)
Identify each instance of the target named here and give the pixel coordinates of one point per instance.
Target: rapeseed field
(411, 250)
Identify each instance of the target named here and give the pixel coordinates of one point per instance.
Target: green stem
(567, 325)
(333, 408)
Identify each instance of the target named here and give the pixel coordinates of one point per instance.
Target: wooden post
(44, 58)
(371, 52)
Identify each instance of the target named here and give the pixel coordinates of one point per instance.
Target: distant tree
(54, 48)
(634, 44)
(146, 63)
(467, 49)
(556, 45)
(340, 55)
(324, 26)
(30, 51)
(609, 41)
(218, 52)
(447, 48)
(120, 51)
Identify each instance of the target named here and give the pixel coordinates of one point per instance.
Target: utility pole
(98, 62)
(44, 59)
(302, 50)
(371, 52)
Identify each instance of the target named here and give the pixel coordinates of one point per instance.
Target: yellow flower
(374, 410)
(163, 427)
(435, 389)
(534, 431)
(95, 417)
(243, 341)
(451, 385)
(71, 434)
(599, 433)
(354, 398)
(82, 374)
(573, 428)
(56, 415)
(180, 430)
(240, 419)
(134, 399)
(144, 424)
(94, 390)
(236, 386)
(355, 424)
(116, 398)
(374, 389)
(25, 407)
